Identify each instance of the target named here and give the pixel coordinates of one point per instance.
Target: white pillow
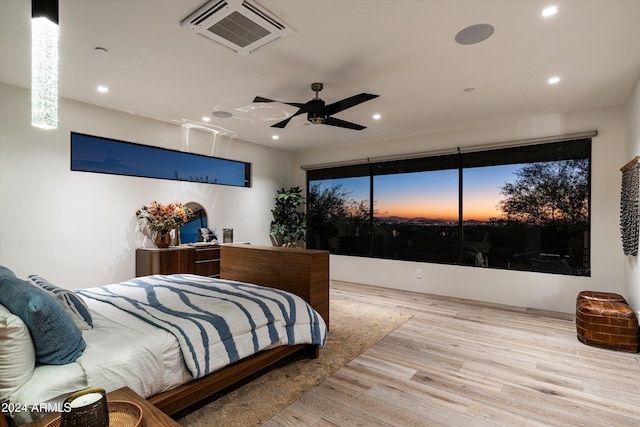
(17, 354)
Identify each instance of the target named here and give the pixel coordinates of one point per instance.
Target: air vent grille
(239, 29)
(241, 25)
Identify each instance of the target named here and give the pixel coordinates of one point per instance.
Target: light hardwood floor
(467, 363)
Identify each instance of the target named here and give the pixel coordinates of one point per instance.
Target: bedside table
(151, 416)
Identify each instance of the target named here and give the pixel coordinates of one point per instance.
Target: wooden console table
(304, 272)
(151, 415)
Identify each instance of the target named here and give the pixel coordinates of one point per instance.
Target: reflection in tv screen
(102, 155)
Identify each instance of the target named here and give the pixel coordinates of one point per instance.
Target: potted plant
(289, 225)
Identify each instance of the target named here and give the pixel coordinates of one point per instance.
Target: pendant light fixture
(44, 63)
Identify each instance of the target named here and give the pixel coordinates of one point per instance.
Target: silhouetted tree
(325, 206)
(549, 193)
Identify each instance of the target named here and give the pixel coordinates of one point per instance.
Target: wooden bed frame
(299, 271)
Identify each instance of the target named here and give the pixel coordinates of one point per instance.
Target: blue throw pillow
(70, 301)
(57, 340)
(5, 272)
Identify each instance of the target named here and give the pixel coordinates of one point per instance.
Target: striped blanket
(216, 322)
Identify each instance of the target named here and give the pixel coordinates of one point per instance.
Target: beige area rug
(355, 328)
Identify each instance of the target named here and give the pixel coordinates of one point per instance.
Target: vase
(163, 238)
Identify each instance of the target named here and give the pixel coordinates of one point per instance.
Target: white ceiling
(402, 50)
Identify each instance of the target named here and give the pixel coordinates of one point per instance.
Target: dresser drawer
(204, 261)
(207, 261)
(207, 254)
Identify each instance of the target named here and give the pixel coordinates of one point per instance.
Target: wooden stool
(609, 323)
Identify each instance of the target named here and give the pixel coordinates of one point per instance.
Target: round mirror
(189, 231)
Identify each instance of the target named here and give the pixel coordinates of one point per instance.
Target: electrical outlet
(418, 273)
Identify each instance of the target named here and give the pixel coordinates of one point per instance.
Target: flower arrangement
(163, 218)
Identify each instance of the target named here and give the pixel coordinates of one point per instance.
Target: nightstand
(152, 416)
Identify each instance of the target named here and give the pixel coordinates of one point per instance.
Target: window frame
(567, 149)
(81, 161)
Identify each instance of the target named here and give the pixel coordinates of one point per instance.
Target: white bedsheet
(121, 350)
(216, 322)
(141, 356)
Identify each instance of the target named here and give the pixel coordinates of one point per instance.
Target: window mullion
(460, 226)
(371, 239)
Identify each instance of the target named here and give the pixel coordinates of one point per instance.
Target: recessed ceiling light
(376, 116)
(206, 119)
(222, 114)
(275, 137)
(474, 34)
(554, 80)
(100, 49)
(469, 89)
(549, 11)
(103, 89)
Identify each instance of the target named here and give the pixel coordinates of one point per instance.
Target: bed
(155, 356)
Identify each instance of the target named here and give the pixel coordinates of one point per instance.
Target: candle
(86, 408)
(85, 399)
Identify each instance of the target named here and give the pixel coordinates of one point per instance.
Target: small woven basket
(124, 414)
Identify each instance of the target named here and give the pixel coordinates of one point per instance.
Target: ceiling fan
(319, 113)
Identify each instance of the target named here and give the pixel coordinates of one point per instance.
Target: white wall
(77, 229)
(528, 289)
(632, 267)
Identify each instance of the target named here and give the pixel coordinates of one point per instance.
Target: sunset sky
(434, 194)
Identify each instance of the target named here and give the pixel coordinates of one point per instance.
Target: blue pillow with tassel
(70, 301)
(57, 340)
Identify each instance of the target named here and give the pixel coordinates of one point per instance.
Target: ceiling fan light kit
(319, 113)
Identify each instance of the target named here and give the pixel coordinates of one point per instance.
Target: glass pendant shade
(44, 70)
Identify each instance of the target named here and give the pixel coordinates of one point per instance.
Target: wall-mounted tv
(103, 155)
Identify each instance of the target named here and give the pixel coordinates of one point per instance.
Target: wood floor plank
(385, 367)
(460, 362)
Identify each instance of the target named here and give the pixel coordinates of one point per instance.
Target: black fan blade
(293, 104)
(285, 122)
(336, 107)
(261, 99)
(332, 121)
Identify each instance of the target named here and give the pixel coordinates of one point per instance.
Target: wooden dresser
(304, 272)
(202, 260)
